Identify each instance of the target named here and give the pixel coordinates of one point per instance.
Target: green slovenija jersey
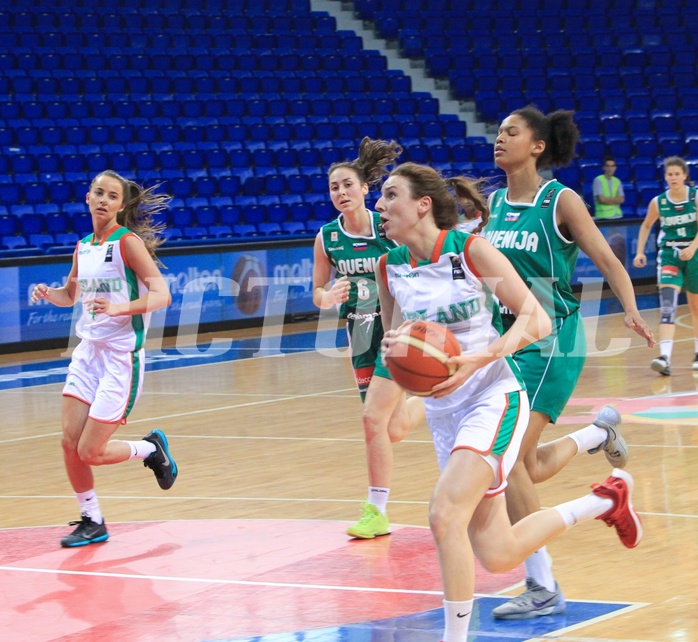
(677, 219)
(528, 235)
(356, 257)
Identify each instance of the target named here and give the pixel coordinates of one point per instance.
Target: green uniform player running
(540, 226)
(677, 265)
(345, 255)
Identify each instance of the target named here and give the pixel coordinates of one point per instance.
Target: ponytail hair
(557, 130)
(375, 156)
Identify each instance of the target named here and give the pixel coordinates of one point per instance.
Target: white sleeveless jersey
(447, 290)
(102, 272)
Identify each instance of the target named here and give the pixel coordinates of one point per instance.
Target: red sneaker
(619, 488)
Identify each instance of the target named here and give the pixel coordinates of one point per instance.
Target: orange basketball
(418, 362)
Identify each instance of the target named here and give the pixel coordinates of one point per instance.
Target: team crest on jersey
(457, 269)
(334, 237)
(512, 216)
(381, 231)
(360, 246)
(548, 198)
(662, 201)
(109, 257)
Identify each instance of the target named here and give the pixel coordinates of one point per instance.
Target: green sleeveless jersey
(677, 220)
(356, 257)
(527, 234)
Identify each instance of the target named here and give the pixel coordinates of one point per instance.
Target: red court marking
(176, 580)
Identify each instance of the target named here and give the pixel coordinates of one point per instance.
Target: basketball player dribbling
(479, 415)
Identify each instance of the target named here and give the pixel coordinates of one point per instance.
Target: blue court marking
(427, 626)
(55, 371)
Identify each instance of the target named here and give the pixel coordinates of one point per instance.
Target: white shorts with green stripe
(491, 426)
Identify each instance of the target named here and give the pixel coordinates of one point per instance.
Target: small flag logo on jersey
(670, 270)
(360, 246)
(334, 236)
(512, 216)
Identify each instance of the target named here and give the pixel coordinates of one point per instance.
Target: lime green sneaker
(372, 524)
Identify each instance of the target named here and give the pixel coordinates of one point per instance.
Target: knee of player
(375, 420)
(90, 455)
(668, 302)
(444, 517)
(70, 446)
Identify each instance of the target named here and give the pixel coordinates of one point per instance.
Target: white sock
(589, 437)
(588, 507)
(457, 620)
(665, 348)
(539, 567)
(378, 497)
(89, 505)
(141, 449)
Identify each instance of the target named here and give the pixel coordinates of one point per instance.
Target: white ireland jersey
(102, 272)
(446, 289)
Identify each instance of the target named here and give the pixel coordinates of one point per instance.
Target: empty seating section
(626, 67)
(237, 108)
(231, 107)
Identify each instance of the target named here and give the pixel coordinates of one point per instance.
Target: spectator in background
(608, 192)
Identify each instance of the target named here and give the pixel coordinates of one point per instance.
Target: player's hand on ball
(466, 366)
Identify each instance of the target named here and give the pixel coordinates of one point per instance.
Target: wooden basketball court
(250, 544)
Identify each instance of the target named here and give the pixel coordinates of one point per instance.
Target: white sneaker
(662, 366)
(535, 601)
(615, 448)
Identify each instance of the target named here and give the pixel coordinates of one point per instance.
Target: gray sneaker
(535, 601)
(661, 365)
(615, 448)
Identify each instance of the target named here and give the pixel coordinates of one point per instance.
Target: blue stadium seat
(8, 224)
(230, 215)
(41, 240)
(245, 229)
(206, 216)
(66, 238)
(294, 228)
(671, 145)
(13, 242)
(220, 231)
(269, 229)
(181, 217)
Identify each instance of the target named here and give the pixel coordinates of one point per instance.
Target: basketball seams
(423, 362)
(421, 345)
